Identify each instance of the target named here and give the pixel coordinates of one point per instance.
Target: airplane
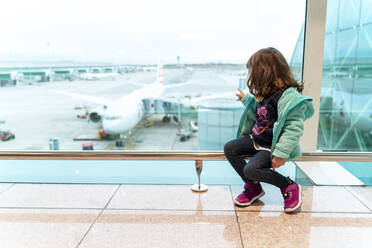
(121, 115)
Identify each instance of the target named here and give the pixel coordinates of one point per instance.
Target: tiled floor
(55, 215)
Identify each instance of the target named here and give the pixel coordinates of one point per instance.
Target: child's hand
(277, 162)
(240, 95)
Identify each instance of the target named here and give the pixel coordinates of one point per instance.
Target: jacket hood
(291, 98)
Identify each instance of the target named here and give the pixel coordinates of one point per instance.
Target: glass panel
(297, 57)
(349, 13)
(336, 172)
(345, 121)
(332, 15)
(361, 170)
(86, 74)
(128, 171)
(365, 44)
(330, 53)
(366, 11)
(346, 43)
(173, 172)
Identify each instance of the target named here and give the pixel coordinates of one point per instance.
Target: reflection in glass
(345, 121)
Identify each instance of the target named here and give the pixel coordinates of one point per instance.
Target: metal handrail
(198, 157)
(157, 155)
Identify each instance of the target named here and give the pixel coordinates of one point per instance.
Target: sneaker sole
(249, 203)
(290, 210)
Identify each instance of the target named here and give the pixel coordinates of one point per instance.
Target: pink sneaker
(251, 193)
(292, 197)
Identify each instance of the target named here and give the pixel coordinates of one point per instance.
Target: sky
(145, 31)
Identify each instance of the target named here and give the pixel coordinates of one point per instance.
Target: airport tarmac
(35, 113)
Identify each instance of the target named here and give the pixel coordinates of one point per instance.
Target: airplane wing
(165, 86)
(93, 99)
(194, 101)
(175, 85)
(214, 96)
(136, 83)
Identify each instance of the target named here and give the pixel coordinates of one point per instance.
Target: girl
(270, 128)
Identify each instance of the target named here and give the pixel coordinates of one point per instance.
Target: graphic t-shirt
(266, 116)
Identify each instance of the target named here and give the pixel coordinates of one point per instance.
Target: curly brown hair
(269, 72)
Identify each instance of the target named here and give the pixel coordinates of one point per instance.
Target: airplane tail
(160, 75)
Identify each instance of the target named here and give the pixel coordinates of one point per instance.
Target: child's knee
(250, 172)
(228, 148)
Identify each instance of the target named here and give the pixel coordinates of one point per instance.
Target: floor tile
(57, 195)
(129, 228)
(44, 228)
(271, 229)
(171, 197)
(314, 199)
(364, 194)
(271, 201)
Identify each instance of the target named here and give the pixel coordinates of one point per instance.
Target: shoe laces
(286, 195)
(245, 191)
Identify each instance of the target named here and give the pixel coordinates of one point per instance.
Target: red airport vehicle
(83, 116)
(6, 135)
(103, 135)
(88, 146)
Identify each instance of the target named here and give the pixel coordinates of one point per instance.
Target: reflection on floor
(76, 215)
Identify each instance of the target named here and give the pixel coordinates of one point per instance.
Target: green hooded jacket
(293, 110)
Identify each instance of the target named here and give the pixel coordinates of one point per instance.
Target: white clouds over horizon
(141, 31)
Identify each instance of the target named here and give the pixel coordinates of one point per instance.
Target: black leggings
(258, 167)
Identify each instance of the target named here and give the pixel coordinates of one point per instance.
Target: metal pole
(199, 187)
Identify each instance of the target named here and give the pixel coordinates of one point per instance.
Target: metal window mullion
(316, 11)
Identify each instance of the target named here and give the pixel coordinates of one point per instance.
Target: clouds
(139, 31)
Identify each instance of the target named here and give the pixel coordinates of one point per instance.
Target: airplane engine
(94, 116)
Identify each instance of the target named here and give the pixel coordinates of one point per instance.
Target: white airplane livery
(127, 111)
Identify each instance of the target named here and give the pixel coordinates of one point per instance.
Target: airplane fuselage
(127, 111)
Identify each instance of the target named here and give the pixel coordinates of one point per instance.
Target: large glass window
(133, 75)
(345, 122)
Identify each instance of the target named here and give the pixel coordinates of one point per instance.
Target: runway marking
(175, 139)
(174, 143)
